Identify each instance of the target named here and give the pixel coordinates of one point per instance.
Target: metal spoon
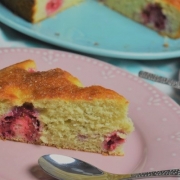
(68, 168)
(160, 79)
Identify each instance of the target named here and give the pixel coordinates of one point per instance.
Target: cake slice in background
(159, 15)
(53, 108)
(37, 10)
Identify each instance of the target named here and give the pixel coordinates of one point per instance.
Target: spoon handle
(160, 79)
(145, 175)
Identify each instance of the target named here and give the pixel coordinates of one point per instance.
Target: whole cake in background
(53, 108)
(159, 15)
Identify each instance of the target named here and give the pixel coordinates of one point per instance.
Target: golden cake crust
(175, 3)
(21, 83)
(23, 8)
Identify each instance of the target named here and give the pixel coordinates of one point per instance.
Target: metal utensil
(160, 79)
(68, 168)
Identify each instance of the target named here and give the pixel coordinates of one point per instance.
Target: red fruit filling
(21, 123)
(31, 70)
(52, 6)
(153, 14)
(113, 140)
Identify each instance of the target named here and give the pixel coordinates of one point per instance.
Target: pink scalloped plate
(154, 145)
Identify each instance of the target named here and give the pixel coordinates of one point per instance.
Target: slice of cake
(159, 15)
(53, 108)
(37, 10)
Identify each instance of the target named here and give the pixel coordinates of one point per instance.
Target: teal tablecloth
(167, 68)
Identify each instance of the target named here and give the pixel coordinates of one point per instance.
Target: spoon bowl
(69, 168)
